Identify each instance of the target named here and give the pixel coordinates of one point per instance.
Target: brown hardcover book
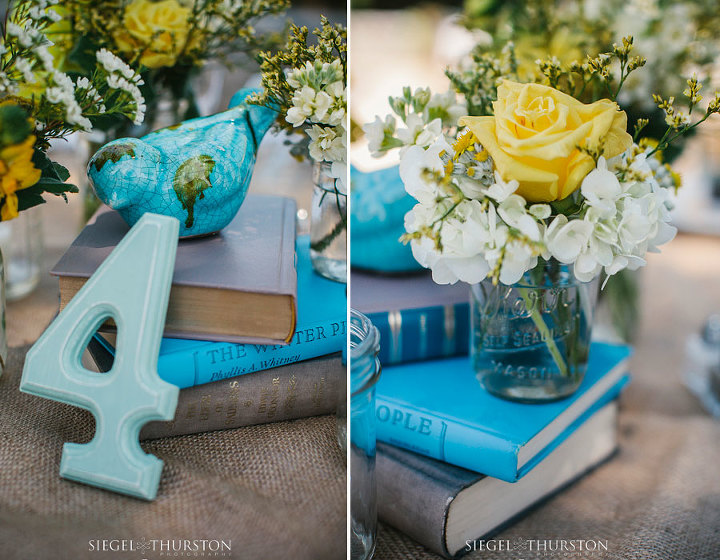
(298, 390)
(239, 285)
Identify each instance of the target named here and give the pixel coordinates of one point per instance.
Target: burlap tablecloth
(272, 491)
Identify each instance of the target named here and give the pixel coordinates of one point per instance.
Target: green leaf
(55, 187)
(28, 200)
(62, 173)
(14, 125)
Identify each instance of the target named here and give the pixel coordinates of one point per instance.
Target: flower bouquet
(530, 198)
(40, 103)
(167, 41)
(307, 84)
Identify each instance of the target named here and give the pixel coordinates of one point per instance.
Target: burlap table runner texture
(273, 491)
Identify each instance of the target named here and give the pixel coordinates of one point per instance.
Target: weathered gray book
(298, 390)
(239, 285)
(450, 510)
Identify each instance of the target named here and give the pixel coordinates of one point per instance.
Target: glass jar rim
(364, 347)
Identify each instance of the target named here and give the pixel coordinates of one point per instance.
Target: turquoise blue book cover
(440, 409)
(321, 329)
(417, 318)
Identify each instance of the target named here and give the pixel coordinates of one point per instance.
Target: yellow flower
(158, 30)
(16, 172)
(535, 133)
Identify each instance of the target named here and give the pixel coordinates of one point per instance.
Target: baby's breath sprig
(596, 72)
(478, 80)
(680, 123)
(297, 53)
(640, 124)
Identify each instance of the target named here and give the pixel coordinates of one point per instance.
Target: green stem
(536, 317)
(321, 244)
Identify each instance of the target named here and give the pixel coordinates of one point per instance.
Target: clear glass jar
(328, 224)
(530, 341)
(364, 373)
(22, 244)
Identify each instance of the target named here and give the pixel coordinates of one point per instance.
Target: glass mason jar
(364, 373)
(328, 224)
(530, 341)
(21, 241)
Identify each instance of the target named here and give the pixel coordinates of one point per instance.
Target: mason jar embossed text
(530, 341)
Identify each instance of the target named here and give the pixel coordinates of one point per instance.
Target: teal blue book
(439, 409)
(417, 318)
(321, 329)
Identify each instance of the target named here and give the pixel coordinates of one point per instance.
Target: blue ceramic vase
(197, 171)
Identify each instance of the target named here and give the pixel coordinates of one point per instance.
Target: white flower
(601, 188)
(23, 35)
(376, 132)
(567, 239)
(540, 211)
(326, 144)
(512, 211)
(500, 190)
(412, 170)
(26, 68)
(417, 132)
(461, 260)
(517, 261)
(323, 102)
(53, 16)
(45, 57)
(337, 117)
(448, 106)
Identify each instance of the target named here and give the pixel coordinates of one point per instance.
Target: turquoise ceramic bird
(379, 204)
(197, 171)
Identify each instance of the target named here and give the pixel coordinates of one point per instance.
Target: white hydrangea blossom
(466, 234)
(621, 223)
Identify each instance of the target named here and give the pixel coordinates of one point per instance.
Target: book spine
(445, 439)
(415, 494)
(215, 361)
(423, 334)
(309, 388)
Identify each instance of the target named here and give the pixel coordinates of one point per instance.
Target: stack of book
(455, 464)
(252, 333)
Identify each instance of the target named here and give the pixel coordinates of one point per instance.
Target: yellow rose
(159, 30)
(534, 135)
(17, 171)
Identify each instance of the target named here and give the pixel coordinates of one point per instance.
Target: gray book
(449, 509)
(309, 388)
(298, 390)
(239, 285)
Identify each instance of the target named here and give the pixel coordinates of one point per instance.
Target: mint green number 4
(132, 287)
